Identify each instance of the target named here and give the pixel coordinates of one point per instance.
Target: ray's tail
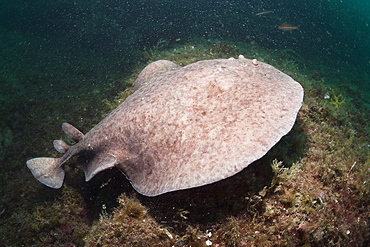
(47, 170)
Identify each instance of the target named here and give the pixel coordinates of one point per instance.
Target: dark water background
(62, 36)
(329, 27)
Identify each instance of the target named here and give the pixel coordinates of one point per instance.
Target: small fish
(264, 12)
(287, 27)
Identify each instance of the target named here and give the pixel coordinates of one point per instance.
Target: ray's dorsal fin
(61, 146)
(72, 133)
(47, 171)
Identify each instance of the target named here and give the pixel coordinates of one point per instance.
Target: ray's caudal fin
(47, 170)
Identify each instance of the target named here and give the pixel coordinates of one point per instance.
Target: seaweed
(337, 99)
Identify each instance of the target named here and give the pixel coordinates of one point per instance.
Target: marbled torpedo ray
(184, 127)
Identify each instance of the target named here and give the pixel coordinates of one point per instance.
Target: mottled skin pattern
(153, 70)
(192, 126)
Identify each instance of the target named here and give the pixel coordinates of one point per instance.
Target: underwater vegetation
(311, 189)
(337, 99)
(60, 221)
(129, 224)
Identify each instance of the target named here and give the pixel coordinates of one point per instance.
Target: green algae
(55, 222)
(337, 99)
